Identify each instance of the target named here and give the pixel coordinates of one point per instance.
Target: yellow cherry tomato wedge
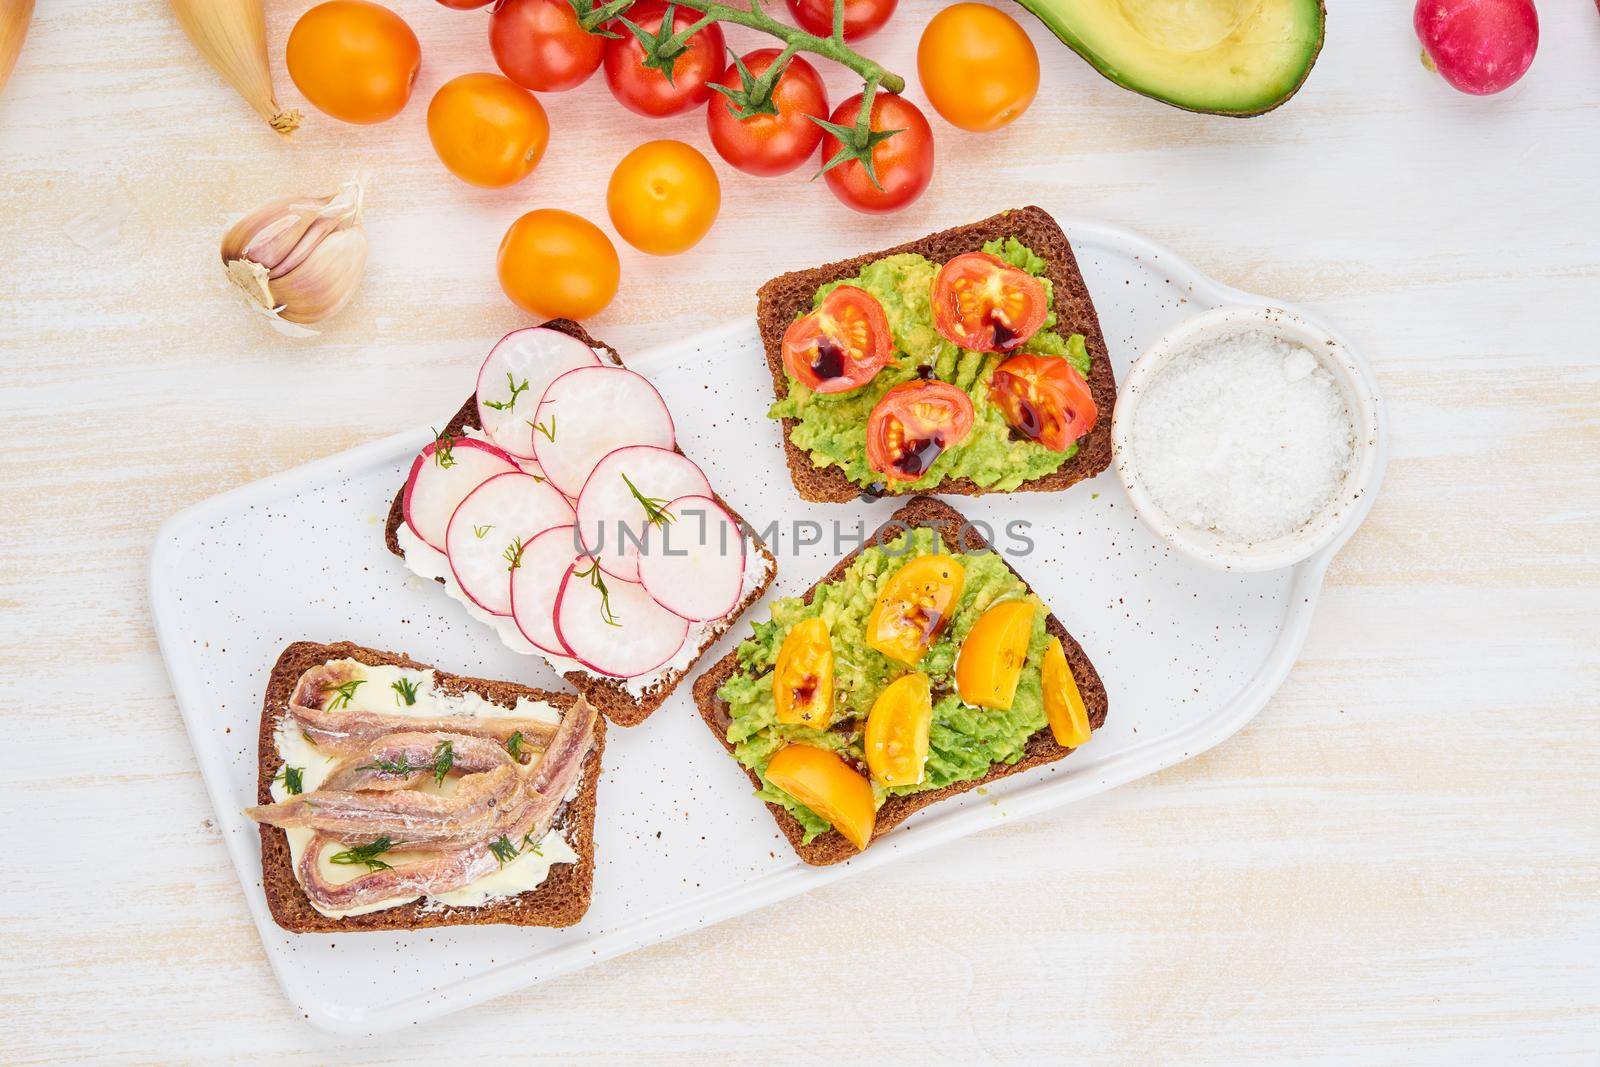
(802, 684)
(663, 197)
(992, 655)
(914, 607)
(1063, 704)
(557, 265)
(828, 786)
(896, 738)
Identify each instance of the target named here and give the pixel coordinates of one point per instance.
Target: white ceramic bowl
(1321, 529)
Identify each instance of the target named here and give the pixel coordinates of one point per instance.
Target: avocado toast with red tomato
(968, 362)
(922, 666)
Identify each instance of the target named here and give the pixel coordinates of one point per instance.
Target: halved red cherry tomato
(984, 304)
(1044, 399)
(912, 424)
(648, 91)
(840, 346)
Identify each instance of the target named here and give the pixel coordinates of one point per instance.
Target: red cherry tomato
(903, 163)
(1044, 399)
(862, 18)
(912, 424)
(840, 346)
(770, 144)
(540, 46)
(647, 91)
(984, 304)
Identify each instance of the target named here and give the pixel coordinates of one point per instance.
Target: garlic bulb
(299, 258)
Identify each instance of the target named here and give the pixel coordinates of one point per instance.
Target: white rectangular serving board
(1188, 656)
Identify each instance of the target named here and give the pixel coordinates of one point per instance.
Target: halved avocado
(1222, 57)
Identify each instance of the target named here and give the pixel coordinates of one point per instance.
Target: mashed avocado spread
(833, 428)
(964, 741)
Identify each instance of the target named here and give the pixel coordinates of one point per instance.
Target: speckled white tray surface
(1188, 655)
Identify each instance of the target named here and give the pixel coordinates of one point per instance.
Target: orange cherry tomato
(663, 197)
(557, 265)
(914, 607)
(802, 682)
(978, 67)
(840, 346)
(487, 129)
(354, 60)
(1044, 399)
(896, 738)
(913, 424)
(828, 786)
(992, 655)
(984, 304)
(1063, 703)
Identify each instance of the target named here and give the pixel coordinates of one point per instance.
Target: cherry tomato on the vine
(663, 197)
(902, 163)
(977, 66)
(557, 265)
(487, 129)
(540, 46)
(768, 144)
(646, 90)
(862, 18)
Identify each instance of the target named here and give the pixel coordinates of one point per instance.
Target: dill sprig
(548, 431)
(598, 580)
(443, 758)
(405, 689)
(444, 451)
(481, 531)
(343, 693)
(513, 554)
(293, 779)
(514, 746)
(367, 854)
(654, 507)
(516, 390)
(503, 849)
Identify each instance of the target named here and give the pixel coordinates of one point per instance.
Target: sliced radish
(490, 528)
(697, 569)
(612, 519)
(513, 380)
(441, 478)
(536, 583)
(621, 631)
(592, 411)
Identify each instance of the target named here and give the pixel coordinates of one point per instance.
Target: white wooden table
(1395, 862)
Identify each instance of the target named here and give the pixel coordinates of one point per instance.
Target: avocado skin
(1056, 15)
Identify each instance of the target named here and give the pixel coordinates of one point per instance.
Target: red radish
(592, 411)
(613, 627)
(441, 477)
(697, 569)
(489, 530)
(513, 379)
(546, 559)
(619, 508)
(1478, 46)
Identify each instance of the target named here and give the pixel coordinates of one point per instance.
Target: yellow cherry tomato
(992, 655)
(914, 607)
(354, 60)
(828, 786)
(978, 67)
(1063, 704)
(487, 129)
(663, 197)
(896, 739)
(558, 265)
(802, 683)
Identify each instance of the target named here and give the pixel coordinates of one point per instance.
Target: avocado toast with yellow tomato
(920, 667)
(968, 362)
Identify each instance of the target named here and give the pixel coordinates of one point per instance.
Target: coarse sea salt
(1245, 435)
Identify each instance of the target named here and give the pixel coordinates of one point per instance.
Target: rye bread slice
(560, 900)
(610, 695)
(785, 298)
(1041, 748)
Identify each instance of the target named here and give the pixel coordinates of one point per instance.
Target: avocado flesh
(1225, 57)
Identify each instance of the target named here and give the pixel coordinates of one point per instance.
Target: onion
(232, 35)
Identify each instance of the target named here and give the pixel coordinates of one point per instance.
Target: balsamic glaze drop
(829, 360)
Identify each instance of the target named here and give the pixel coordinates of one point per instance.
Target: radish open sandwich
(557, 508)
